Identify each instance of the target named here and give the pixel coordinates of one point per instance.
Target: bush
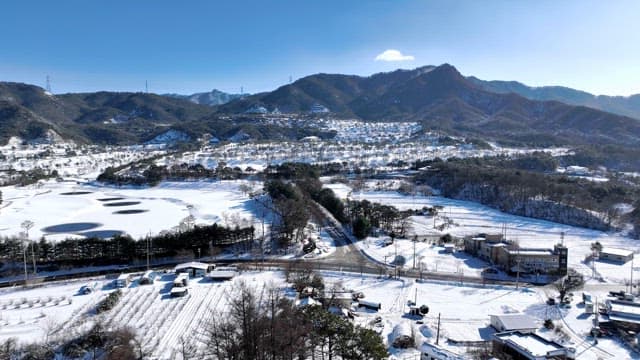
(109, 302)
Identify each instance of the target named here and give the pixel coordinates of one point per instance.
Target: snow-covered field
(60, 209)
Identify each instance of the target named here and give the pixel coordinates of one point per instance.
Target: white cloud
(393, 55)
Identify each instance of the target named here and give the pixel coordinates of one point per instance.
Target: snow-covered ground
(61, 208)
(469, 218)
(69, 159)
(160, 321)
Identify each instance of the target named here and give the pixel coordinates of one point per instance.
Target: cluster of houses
(513, 259)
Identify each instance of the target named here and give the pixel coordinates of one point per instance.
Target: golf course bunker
(131, 211)
(111, 199)
(102, 234)
(70, 227)
(76, 193)
(122, 203)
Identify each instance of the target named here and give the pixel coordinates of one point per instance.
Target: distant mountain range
(621, 105)
(441, 98)
(438, 97)
(211, 98)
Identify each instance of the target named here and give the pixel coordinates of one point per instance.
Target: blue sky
(192, 46)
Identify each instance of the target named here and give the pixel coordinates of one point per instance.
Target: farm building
(530, 346)
(222, 273)
(513, 322)
(123, 280)
(194, 268)
(616, 255)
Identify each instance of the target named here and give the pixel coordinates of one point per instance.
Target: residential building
(530, 346)
(513, 322)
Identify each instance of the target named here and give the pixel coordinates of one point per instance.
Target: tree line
(521, 187)
(152, 174)
(195, 240)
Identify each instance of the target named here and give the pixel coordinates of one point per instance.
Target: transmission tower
(48, 88)
(146, 86)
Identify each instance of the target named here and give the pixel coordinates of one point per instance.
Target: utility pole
(631, 279)
(415, 240)
(438, 331)
(518, 271)
(24, 254)
(148, 248)
(26, 225)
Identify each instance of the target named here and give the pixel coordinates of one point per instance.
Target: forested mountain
(28, 111)
(442, 99)
(621, 105)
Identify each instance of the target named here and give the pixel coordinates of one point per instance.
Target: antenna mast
(48, 88)
(146, 86)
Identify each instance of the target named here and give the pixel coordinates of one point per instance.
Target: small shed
(179, 291)
(513, 322)
(123, 280)
(449, 248)
(194, 268)
(403, 336)
(616, 255)
(223, 273)
(182, 280)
